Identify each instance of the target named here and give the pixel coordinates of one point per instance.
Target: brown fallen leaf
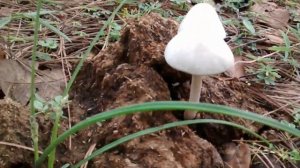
(271, 14)
(273, 37)
(236, 156)
(15, 81)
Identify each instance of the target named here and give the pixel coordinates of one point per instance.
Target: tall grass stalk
(93, 43)
(54, 132)
(73, 77)
(33, 123)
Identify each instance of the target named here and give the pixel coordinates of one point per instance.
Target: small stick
(18, 146)
(88, 153)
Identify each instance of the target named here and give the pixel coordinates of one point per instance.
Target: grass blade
(163, 127)
(295, 33)
(287, 43)
(76, 71)
(93, 43)
(54, 29)
(247, 23)
(33, 14)
(4, 21)
(168, 105)
(33, 122)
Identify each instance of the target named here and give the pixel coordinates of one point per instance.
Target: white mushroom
(199, 50)
(203, 19)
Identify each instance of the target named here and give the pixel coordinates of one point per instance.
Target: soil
(15, 128)
(132, 71)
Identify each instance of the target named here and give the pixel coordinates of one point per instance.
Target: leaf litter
(271, 14)
(15, 80)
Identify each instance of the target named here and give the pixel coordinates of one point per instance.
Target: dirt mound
(133, 70)
(128, 72)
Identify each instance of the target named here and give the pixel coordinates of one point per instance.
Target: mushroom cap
(203, 19)
(196, 55)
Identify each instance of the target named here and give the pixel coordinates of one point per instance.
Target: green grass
(33, 122)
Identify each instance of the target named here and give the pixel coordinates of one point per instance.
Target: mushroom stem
(195, 93)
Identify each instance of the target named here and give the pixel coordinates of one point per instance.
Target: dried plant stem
(18, 146)
(88, 153)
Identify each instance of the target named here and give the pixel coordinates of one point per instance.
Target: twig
(249, 62)
(88, 153)
(18, 146)
(245, 44)
(63, 54)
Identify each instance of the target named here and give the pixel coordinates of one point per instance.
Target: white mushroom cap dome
(203, 18)
(198, 55)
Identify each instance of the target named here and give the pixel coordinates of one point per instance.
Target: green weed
(182, 4)
(267, 74)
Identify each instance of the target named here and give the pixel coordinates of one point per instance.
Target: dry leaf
(271, 14)
(236, 156)
(15, 81)
(272, 36)
(51, 84)
(273, 39)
